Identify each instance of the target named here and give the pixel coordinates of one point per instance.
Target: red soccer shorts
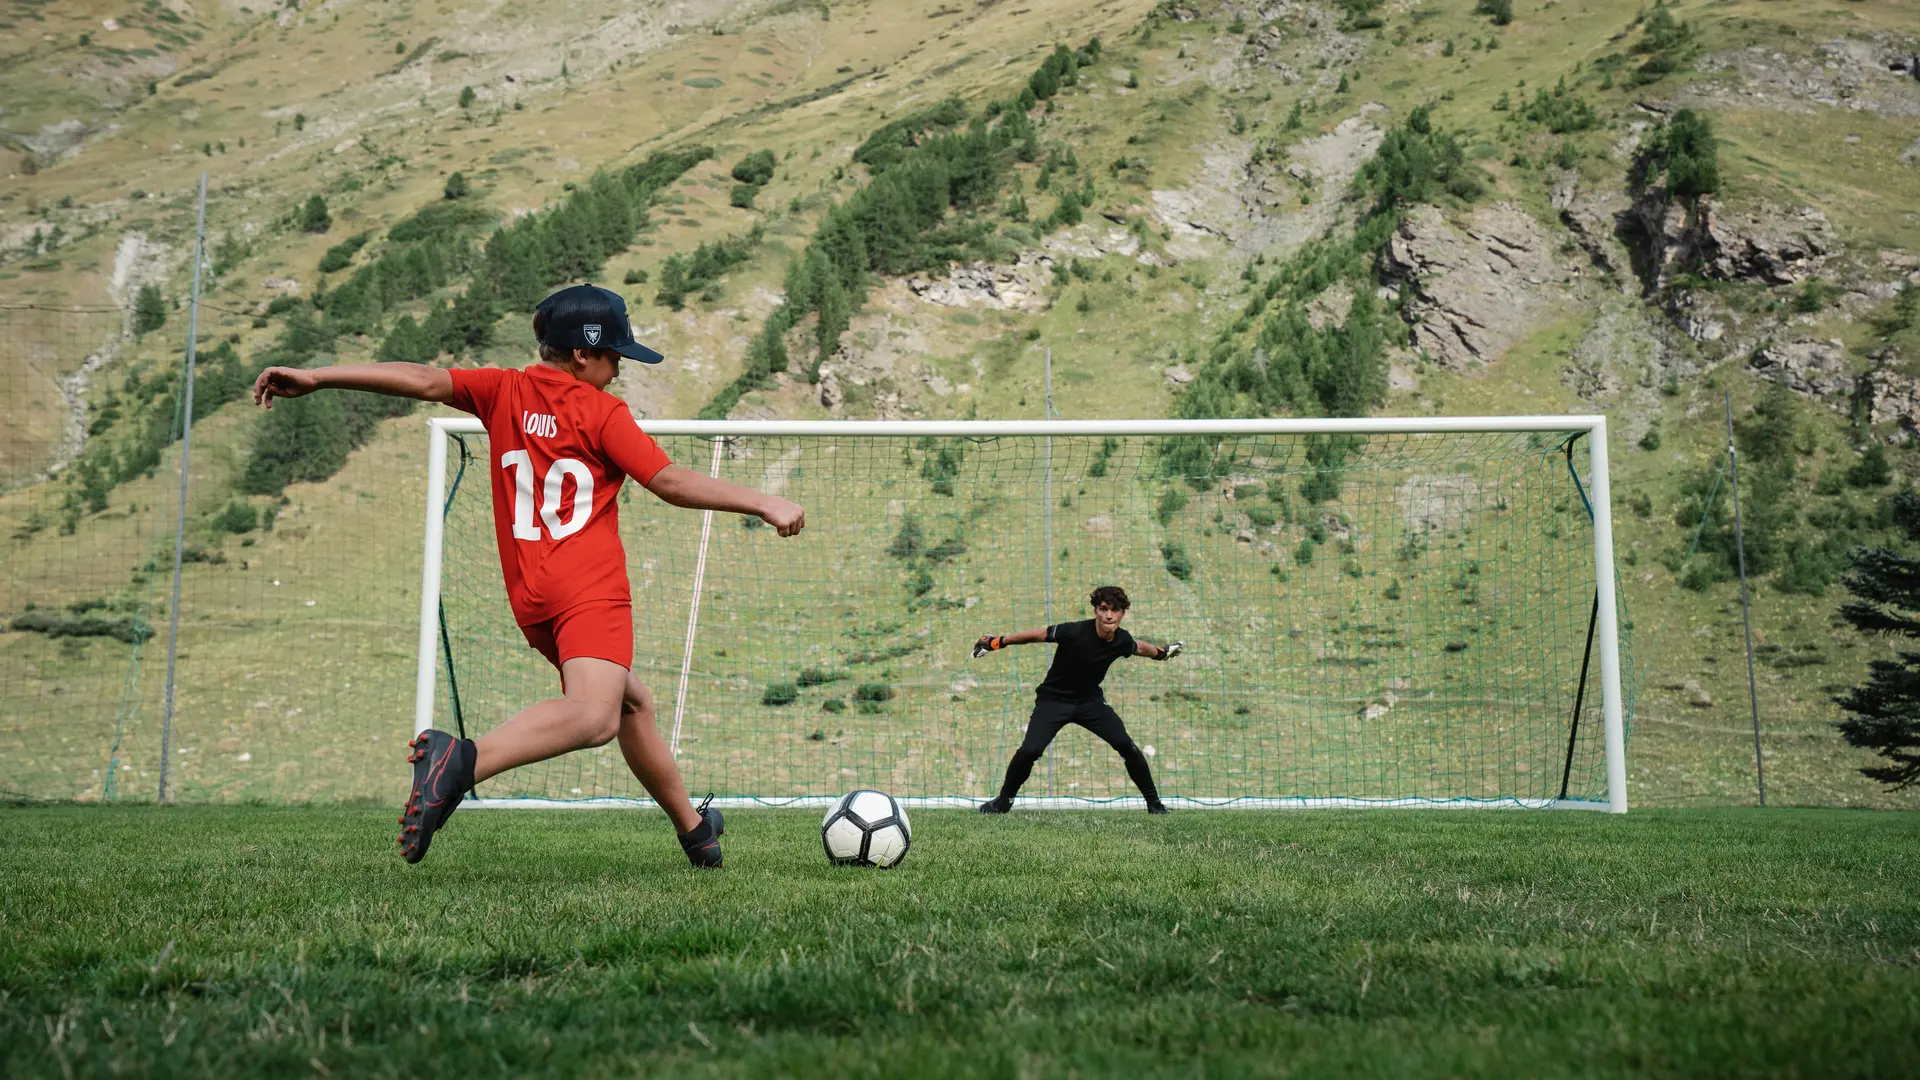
(600, 629)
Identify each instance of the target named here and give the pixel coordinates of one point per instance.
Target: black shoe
(442, 776)
(1158, 807)
(702, 842)
(996, 806)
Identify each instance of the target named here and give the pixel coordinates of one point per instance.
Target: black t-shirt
(1081, 660)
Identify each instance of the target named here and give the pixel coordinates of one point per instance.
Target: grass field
(292, 942)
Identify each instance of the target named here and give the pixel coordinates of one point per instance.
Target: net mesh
(298, 611)
(1394, 617)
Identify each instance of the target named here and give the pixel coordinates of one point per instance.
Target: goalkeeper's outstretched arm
(995, 642)
(1157, 652)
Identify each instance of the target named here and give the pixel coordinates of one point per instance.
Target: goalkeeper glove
(1170, 651)
(987, 643)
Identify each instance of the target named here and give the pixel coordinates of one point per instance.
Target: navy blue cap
(590, 317)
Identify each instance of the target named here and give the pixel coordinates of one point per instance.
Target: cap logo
(592, 331)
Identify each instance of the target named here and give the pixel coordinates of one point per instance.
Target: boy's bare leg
(650, 759)
(589, 715)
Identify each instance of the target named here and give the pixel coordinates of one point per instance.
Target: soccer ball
(866, 828)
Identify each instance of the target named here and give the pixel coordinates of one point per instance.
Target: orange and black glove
(988, 643)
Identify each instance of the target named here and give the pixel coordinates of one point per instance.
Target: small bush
(780, 693)
(457, 187)
(466, 97)
(742, 196)
(236, 517)
(1176, 561)
(755, 169)
(818, 676)
(635, 277)
(1304, 553)
(1872, 470)
(833, 705)
(1651, 440)
(909, 541)
(340, 255)
(122, 628)
(873, 692)
(1500, 11)
(1171, 502)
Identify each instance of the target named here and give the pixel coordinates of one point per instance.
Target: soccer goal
(1377, 612)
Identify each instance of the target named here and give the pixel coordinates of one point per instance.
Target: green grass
(293, 942)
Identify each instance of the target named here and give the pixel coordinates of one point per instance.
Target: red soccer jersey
(560, 449)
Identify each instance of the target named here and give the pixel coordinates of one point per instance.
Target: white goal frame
(1607, 627)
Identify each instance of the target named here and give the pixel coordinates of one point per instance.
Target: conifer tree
(314, 217)
(1883, 713)
(149, 310)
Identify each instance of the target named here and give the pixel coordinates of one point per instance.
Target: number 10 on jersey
(520, 466)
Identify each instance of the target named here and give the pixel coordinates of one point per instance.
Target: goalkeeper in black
(1070, 694)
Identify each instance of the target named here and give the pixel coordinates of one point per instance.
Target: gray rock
(1474, 290)
(1763, 244)
(1815, 368)
(1697, 695)
(1892, 397)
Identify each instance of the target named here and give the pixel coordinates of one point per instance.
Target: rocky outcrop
(1890, 396)
(1815, 368)
(1474, 290)
(1020, 286)
(1763, 244)
(1594, 219)
(1873, 75)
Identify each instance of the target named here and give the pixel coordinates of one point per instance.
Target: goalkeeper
(559, 443)
(1070, 694)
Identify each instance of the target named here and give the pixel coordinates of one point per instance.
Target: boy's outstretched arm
(993, 642)
(692, 490)
(1157, 652)
(417, 381)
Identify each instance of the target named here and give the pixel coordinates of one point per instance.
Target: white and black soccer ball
(866, 828)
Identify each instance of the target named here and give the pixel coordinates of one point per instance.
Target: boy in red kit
(561, 446)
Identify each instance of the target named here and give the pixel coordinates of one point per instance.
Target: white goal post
(1098, 438)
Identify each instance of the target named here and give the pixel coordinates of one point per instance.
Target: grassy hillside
(1219, 142)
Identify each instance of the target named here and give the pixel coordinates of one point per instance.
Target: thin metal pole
(693, 610)
(180, 523)
(1580, 697)
(1746, 615)
(1047, 404)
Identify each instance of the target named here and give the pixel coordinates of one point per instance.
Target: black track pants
(1049, 716)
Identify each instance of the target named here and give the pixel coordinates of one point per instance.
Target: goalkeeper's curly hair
(1112, 596)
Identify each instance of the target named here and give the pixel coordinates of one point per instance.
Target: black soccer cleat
(702, 842)
(442, 776)
(996, 806)
(1158, 807)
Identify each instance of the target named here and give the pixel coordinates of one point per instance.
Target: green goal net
(1371, 617)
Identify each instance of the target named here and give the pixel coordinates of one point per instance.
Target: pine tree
(456, 186)
(298, 440)
(1883, 713)
(1693, 159)
(314, 217)
(149, 310)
